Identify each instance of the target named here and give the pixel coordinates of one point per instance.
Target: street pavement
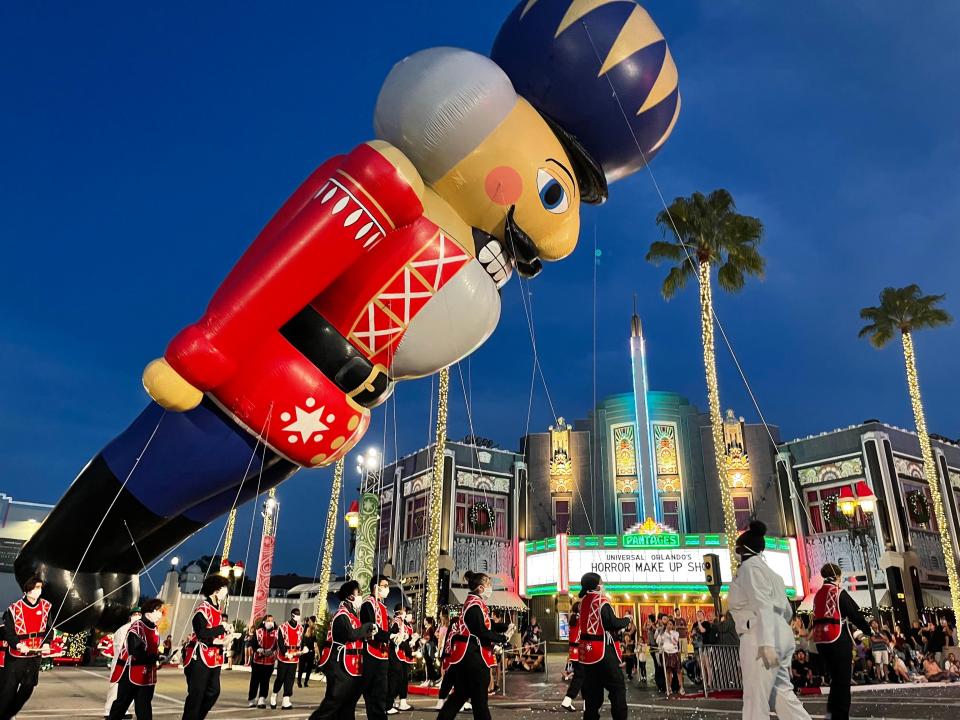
(79, 693)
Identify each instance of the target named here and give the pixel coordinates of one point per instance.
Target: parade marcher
(26, 633)
(289, 636)
(833, 611)
(376, 656)
(117, 643)
(308, 656)
(471, 650)
(599, 651)
(401, 658)
(573, 657)
(263, 644)
(342, 657)
(203, 654)
(762, 612)
(135, 673)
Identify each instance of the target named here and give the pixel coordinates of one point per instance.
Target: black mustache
(525, 256)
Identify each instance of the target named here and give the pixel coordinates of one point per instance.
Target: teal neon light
(668, 540)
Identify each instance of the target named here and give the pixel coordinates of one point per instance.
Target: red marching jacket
(350, 253)
(378, 650)
(211, 655)
(267, 641)
(402, 650)
(138, 673)
(291, 640)
(461, 635)
(573, 654)
(349, 653)
(29, 625)
(592, 636)
(827, 622)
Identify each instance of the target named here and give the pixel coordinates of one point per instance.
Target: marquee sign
(662, 563)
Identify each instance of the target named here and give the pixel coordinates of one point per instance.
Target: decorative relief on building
(483, 482)
(928, 547)
(626, 485)
(561, 463)
(493, 557)
(412, 555)
(908, 467)
(665, 449)
(668, 484)
(415, 485)
(387, 495)
(837, 548)
(625, 449)
(736, 462)
(829, 472)
(955, 478)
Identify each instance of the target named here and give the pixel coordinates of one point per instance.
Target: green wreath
(481, 517)
(918, 508)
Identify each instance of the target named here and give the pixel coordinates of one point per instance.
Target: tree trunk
(329, 538)
(432, 575)
(716, 419)
(930, 471)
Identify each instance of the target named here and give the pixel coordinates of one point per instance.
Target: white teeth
(341, 204)
(499, 277)
(363, 231)
(485, 255)
(371, 240)
(353, 217)
(494, 246)
(330, 193)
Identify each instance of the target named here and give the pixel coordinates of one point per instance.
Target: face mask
(356, 603)
(268, 625)
(382, 592)
(295, 619)
(487, 592)
(154, 617)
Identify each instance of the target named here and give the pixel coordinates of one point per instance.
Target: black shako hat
(753, 537)
(590, 581)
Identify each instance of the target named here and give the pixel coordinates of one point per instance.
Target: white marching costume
(119, 642)
(758, 602)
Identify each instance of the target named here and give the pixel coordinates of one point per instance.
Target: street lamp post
(352, 519)
(866, 501)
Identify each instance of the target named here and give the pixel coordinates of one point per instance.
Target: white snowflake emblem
(309, 423)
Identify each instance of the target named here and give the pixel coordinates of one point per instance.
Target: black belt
(336, 357)
(585, 636)
(352, 651)
(826, 621)
(465, 638)
(30, 635)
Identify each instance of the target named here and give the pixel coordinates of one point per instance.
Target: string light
(436, 499)
(329, 537)
(270, 514)
(228, 536)
(716, 420)
(930, 470)
(75, 644)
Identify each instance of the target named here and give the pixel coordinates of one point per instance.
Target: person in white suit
(119, 641)
(762, 612)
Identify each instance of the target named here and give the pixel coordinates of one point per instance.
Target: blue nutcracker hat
(599, 71)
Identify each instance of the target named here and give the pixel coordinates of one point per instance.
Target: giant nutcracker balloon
(384, 265)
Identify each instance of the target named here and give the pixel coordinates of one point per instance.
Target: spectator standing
(628, 646)
(653, 628)
(669, 643)
(429, 651)
(936, 639)
(308, 654)
(880, 649)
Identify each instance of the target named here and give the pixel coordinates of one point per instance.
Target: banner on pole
(366, 550)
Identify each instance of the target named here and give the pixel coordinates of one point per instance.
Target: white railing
(720, 668)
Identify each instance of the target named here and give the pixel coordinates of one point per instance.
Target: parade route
(79, 693)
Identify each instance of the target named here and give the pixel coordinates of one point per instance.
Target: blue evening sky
(145, 145)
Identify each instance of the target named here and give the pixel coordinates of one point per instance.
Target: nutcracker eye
(553, 196)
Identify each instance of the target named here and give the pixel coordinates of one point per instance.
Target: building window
(742, 509)
(416, 517)
(561, 515)
(628, 513)
(825, 514)
(497, 503)
(919, 507)
(386, 526)
(670, 511)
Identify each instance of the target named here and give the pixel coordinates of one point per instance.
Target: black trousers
(286, 674)
(203, 689)
(630, 664)
(306, 667)
(343, 692)
(375, 686)
(658, 677)
(837, 663)
(446, 683)
(471, 680)
(140, 695)
(604, 675)
(259, 680)
(17, 680)
(576, 682)
(399, 678)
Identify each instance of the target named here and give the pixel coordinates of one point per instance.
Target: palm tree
(907, 310)
(708, 232)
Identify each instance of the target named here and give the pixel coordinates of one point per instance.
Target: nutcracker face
(520, 165)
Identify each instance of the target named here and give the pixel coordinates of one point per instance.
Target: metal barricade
(720, 668)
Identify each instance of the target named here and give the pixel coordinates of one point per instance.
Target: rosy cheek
(503, 185)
